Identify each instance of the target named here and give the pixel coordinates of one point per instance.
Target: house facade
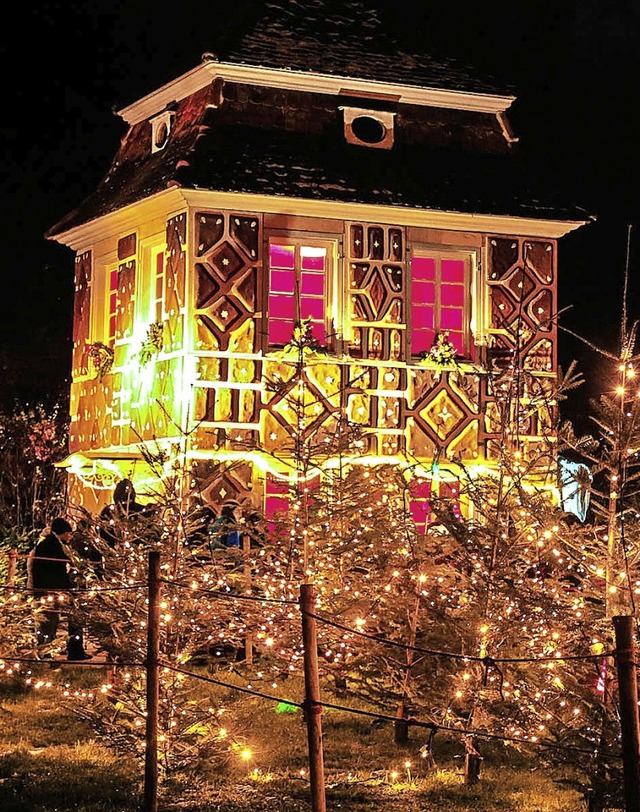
(374, 198)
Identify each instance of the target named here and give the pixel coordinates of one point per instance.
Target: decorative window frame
(475, 304)
(104, 303)
(333, 293)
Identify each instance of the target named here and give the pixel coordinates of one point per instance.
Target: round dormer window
(368, 129)
(161, 134)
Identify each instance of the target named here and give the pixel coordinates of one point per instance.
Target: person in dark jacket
(51, 579)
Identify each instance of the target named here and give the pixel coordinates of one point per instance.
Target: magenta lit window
(276, 497)
(423, 304)
(439, 302)
(297, 290)
(419, 505)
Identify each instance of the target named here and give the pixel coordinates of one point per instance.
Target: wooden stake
(312, 706)
(11, 567)
(629, 723)
(246, 555)
(153, 686)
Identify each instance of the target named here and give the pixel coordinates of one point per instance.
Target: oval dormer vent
(368, 128)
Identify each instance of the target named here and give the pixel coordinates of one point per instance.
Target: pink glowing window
(112, 305)
(440, 301)
(419, 505)
(276, 498)
(297, 289)
(422, 491)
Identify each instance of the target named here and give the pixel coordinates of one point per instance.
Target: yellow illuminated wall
(192, 377)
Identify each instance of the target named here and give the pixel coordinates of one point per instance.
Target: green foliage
(303, 345)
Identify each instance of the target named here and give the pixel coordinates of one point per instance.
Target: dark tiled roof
(313, 167)
(348, 38)
(316, 167)
(276, 142)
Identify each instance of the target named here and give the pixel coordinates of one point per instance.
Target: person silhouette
(51, 579)
(224, 532)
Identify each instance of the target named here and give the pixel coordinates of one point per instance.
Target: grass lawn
(51, 761)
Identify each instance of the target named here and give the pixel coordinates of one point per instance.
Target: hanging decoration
(303, 342)
(101, 357)
(153, 342)
(442, 352)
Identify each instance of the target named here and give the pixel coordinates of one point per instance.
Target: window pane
(423, 293)
(457, 339)
(313, 258)
(421, 340)
(319, 332)
(451, 319)
(282, 307)
(280, 332)
(453, 270)
(311, 309)
(282, 281)
(281, 256)
(452, 296)
(451, 490)
(112, 305)
(423, 317)
(276, 499)
(423, 268)
(419, 505)
(312, 283)
(159, 285)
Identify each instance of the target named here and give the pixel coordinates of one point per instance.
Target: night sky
(66, 69)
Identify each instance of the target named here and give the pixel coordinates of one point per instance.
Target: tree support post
(11, 567)
(246, 556)
(312, 705)
(153, 686)
(629, 723)
(472, 762)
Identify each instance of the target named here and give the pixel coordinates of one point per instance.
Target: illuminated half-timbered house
(315, 172)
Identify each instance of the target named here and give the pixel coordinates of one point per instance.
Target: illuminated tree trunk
(401, 725)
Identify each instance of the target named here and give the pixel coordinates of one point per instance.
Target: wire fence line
(376, 715)
(486, 661)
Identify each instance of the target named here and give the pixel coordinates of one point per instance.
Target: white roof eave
(207, 71)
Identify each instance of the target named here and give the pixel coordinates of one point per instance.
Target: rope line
(414, 722)
(249, 691)
(228, 595)
(433, 726)
(52, 661)
(76, 590)
(488, 661)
